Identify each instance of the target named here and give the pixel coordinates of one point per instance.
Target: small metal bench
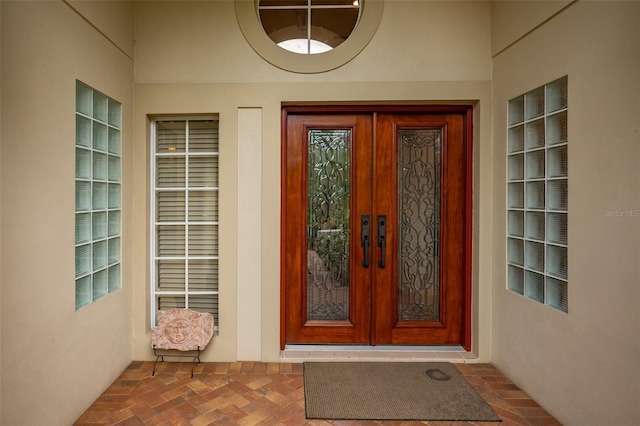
(182, 330)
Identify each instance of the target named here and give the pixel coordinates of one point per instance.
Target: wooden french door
(376, 228)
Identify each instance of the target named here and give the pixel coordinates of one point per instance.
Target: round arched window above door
(308, 36)
(309, 26)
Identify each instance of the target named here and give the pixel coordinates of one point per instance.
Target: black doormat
(391, 391)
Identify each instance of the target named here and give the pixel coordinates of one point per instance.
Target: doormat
(391, 391)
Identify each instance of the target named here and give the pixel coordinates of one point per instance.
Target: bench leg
(193, 363)
(161, 357)
(153, 373)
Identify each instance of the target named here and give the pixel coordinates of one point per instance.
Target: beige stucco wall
(55, 361)
(201, 42)
(511, 20)
(0, 205)
(114, 19)
(581, 366)
(191, 57)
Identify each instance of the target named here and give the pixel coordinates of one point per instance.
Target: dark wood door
(374, 228)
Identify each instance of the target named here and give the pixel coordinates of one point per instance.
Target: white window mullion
(153, 209)
(308, 27)
(186, 216)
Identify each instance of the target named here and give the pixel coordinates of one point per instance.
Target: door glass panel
(419, 224)
(329, 170)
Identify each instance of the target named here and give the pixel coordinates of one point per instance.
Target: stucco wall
(55, 361)
(191, 57)
(201, 42)
(511, 20)
(0, 202)
(115, 19)
(581, 366)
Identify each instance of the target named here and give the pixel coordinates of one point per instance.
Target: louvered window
(97, 212)
(185, 215)
(537, 195)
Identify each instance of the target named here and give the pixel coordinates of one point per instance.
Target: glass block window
(98, 187)
(537, 194)
(185, 215)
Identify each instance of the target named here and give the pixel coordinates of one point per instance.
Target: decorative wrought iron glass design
(329, 170)
(419, 224)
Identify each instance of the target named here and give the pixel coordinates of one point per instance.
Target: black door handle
(382, 240)
(365, 241)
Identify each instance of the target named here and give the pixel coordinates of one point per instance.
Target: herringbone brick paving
(254, 393)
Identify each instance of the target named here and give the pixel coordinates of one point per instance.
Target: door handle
(382, 240)
(365, 241)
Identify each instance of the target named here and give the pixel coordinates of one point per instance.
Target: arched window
(308, 36)
(309, 26)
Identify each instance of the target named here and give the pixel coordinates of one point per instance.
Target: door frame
(466, 110)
